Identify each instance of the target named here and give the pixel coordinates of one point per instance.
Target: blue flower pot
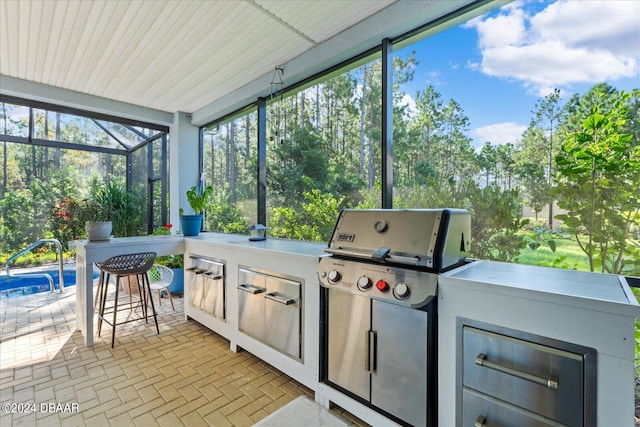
(177, 286)
(190, 224)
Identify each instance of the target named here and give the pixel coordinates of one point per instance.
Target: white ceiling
(168, 55)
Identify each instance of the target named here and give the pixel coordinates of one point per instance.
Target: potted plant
(191, 224)
(97, 219)
(122, 205)
(176, 264)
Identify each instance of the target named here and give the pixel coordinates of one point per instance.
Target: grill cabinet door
(282, 306)
(348, 329)
(399, 381)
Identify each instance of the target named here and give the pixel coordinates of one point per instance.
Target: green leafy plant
(598, 184)
(313, 221)
(171, 261)
(121, 206)
(225, 216)
(165, 230)
(197, 200)
(93, 210)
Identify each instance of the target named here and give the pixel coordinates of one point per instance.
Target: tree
(531, 170)
(598, 182)
(17, 227)
(495, 223)
(548, 113)
(439, 149)
(487, 161)
(534, 185)
(303, 167)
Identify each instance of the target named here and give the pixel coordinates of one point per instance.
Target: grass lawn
(567, 255)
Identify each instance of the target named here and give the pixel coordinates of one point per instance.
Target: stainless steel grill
(378, 322)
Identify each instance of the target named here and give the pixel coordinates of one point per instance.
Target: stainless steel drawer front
(541, 379)
(282, 306)
(483, 411)
(270, 310)
(251, 310)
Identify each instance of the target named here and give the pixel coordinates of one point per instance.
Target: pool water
(25, 284)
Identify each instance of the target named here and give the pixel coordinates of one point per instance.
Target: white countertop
(128, 241)
(556, 284)
(285, 246)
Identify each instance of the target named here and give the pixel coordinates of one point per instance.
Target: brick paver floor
(185, 376)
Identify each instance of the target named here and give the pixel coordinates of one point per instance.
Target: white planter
(98, 230)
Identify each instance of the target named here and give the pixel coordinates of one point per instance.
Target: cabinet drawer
(251, 313)
(282, 315)
(482, 411)
(205, 278)
(544, 380)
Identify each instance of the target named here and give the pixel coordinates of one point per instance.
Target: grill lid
(430, 238)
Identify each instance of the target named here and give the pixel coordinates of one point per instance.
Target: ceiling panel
(319, 20)
(165, 54)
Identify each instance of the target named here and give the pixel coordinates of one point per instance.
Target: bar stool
(130, 266)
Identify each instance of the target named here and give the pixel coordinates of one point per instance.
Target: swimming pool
(25, 284)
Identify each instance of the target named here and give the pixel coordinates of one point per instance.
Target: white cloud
(594, 25)
(506, 28)
(499, 133)
(567, 42)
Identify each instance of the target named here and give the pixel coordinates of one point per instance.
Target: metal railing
(33, 246)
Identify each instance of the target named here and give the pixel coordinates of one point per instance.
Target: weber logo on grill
(346, 237)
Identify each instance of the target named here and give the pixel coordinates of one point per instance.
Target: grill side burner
(378, 306)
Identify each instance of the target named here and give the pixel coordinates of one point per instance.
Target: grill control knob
(382, 286)
(364, 283)
(401, 290)
(334, 276)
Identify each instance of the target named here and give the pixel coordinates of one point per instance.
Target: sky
(497, 66)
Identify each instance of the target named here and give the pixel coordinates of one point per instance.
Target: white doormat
(302, 411)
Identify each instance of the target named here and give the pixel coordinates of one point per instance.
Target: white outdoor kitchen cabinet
(277, 265)
(590, 310)
(582, 309)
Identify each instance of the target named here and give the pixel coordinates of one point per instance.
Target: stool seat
(134, 267)
(129, 263)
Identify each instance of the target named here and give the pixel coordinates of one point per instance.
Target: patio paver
(187, 375)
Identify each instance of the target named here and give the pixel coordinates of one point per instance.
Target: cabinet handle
(551, 382)
(212, 276)
(251, 289)
(480, 421)
(370, 355)
(282, 300)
